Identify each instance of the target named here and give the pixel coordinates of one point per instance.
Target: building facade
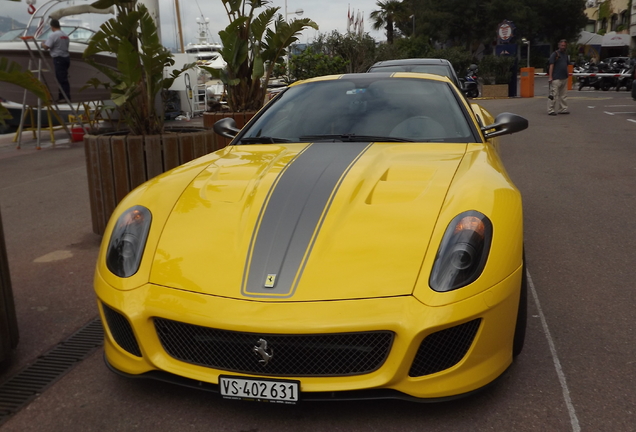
(616, 20)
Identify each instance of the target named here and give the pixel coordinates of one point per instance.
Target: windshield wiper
(263, 140)
(352, 138)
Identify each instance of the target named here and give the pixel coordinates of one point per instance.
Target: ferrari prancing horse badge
(270, 281)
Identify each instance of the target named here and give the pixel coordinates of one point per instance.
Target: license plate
(262, 390)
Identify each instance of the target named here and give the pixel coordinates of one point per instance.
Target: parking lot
(577, 175)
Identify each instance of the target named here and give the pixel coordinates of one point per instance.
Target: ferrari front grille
(444, 349)
(121, 330)
(335, 354)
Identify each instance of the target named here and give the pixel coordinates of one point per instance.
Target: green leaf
(11, 72)
(259, 68)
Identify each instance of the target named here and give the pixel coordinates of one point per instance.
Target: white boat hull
(80, 73)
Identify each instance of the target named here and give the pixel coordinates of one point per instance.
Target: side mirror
(505, 123)
(226, 128)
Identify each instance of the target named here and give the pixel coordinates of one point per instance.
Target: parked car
(427, 65)
(359, 238)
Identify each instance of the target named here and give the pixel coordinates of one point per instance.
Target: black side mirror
(226, 128)
(505, 123)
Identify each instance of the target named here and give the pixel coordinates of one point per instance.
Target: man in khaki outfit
(558, 80)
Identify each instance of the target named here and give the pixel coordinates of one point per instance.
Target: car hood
(307, 222)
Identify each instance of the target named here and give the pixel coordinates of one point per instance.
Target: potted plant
(496, 72)
(120, 161)
(252, 45)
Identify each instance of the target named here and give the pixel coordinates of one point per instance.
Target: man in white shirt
(57, 43)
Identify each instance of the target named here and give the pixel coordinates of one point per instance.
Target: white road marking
(610, 113)
(574, 421)
(54, 256)
(631, 120)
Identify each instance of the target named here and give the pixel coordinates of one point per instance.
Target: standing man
(57, 43)
(558, 80)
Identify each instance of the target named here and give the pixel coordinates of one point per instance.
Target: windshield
(373, 108)
(12, 35)
(75, 34)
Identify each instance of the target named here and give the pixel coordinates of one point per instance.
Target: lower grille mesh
(121, 330)
(444, 349)
(292, 355)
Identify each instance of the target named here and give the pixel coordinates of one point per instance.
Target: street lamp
(298, 12)
(527, 43)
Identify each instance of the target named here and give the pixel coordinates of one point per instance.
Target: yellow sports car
(359, 238)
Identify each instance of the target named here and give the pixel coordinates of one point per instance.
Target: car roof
(393, 75)
(417, 62)
(411, 61)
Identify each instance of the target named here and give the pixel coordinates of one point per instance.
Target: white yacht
(23, 46)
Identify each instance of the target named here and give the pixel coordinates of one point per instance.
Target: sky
(328, 14)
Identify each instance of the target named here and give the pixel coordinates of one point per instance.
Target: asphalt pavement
(576, 372)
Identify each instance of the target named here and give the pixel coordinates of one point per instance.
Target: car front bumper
(488, 353)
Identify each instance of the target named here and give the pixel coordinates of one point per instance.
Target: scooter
(625, 81)
(590, 81)
(471, 77)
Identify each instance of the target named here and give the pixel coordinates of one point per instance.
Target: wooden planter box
(116, 164)
(495, 90)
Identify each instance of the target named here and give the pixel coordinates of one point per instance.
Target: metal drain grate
(23, 387)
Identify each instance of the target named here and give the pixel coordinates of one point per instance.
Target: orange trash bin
(527, 82)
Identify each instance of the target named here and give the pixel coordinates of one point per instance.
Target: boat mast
(176, 4)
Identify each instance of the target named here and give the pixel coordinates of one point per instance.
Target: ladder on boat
(38, 61)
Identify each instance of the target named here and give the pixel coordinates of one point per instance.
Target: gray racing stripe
(294, 213)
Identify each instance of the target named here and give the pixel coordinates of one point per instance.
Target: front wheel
(473, 93)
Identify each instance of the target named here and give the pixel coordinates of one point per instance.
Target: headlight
(463, 253)
(127, 241)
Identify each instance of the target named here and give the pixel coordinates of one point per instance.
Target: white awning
(588, 38)
(613, 39)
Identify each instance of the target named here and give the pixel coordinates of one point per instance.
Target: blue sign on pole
(505, 32)
(505, 47)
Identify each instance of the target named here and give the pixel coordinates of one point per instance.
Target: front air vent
(444, 349)
(121, 330)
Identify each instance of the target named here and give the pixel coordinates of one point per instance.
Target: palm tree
(11, 72)
(390, 10)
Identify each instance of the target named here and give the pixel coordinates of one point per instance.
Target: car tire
(522, 313)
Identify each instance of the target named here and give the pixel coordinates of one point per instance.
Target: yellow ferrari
(359, 238)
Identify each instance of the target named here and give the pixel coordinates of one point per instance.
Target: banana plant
(251, 48)
(141, 59)
(11, 72)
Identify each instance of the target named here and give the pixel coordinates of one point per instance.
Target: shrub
(496, 69)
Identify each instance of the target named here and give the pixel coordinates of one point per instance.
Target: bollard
(527, 82)
(8, 321)
(570, 72)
